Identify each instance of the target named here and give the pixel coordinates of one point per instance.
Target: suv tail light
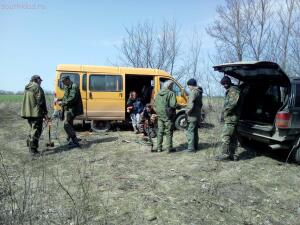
(283, 119)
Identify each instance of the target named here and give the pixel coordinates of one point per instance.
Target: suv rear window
(74, 77)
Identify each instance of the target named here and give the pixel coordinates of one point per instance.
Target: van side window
(84, 82)
(74, 77)
(297, 95)
(108, 83)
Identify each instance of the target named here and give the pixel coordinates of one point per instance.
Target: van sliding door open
(105, 97)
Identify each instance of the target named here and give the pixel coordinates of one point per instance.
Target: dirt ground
(114, 179)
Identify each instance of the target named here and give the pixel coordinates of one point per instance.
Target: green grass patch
(11, 98)
(19, 98)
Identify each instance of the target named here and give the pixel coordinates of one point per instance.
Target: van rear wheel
(100, 126)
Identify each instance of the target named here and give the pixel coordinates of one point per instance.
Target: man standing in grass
(231, 114)
(34, 109)
(193, 111)
(164, 105)
(72, 106)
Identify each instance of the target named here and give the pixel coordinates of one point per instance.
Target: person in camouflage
(72, 107)
(164, 106)
(231, 113)
(193, 111)
(147, 125)
(34, 109)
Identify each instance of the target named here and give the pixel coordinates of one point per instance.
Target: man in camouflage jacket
(164, 106)
(193, 111)
(72, 106)
(231, 112)
(34, 109)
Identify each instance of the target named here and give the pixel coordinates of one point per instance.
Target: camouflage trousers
(192, 135)
(165, 127)
(36, 128)
(229, 139)
(68, 124)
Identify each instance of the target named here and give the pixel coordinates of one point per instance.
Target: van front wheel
(181, 122)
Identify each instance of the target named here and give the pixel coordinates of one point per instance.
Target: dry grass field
(114, 179)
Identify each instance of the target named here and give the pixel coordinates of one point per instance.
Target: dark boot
(156, 149)
(33, 151)
(75, 143)
(171, 150)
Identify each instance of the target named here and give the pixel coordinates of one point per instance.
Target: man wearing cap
(164, 106)
(72, 106)
(231, 113)
(193, 111)
(34, 109)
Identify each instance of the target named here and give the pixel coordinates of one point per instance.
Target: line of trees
(243, 30)
(258, 30)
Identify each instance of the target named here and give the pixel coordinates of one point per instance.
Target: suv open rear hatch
(254, 71)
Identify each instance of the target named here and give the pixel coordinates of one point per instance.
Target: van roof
(110, 69)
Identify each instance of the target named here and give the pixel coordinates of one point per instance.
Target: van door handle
(91, 95)
(120, 95)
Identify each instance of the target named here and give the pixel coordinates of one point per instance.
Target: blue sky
(38, 35)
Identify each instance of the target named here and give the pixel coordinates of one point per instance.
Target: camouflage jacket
(34, 102)
(164, 99)
(231, 105)
(194, 105)
(72, 100)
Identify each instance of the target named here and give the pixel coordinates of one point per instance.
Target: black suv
(270, 105)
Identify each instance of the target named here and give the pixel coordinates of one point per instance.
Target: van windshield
(176, 88)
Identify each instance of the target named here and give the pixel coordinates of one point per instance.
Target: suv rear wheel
(297, 155)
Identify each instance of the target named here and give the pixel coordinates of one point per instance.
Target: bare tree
(143, 46)
(229, 30)
(287, 22)
(258, 31)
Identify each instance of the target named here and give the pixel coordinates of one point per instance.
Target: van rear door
(105, 98)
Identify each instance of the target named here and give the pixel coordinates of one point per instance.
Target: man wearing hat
(165, 108)
(231, 113)
(34, 109)
(193, 111)
(72, 106)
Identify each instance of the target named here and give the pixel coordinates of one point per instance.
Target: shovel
(50, 143)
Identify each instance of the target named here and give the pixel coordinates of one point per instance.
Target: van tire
(104, 128)
(181, 122)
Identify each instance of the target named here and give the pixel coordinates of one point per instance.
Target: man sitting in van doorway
(72, 106)
(148, 122)
(231, 113)
(135, 108)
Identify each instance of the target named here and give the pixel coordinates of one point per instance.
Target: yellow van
(105, 90)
